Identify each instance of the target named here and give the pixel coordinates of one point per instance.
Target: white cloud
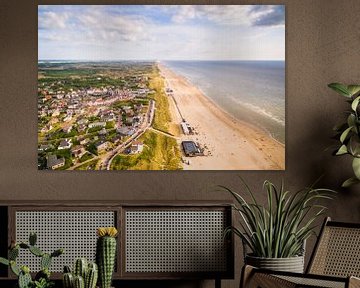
(268, 15)
(185, 13)
(227, 14)
(161, 32)
(52, 20)
(108, 27)
(242, 15)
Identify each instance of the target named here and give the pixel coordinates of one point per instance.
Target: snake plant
(279, 228)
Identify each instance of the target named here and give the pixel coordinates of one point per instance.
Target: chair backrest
(337, 251)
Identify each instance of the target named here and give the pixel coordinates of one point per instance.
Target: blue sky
(161, 32)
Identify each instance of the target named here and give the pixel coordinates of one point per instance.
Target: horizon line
(157, 60)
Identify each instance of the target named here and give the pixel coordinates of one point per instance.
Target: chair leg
(217, 283)
(354, 282)
(246, 273)
(250, 278)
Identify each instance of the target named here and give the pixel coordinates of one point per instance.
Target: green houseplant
(276, 233)
(42, 278)
(106, 254)
(84, 274)
(349, 131)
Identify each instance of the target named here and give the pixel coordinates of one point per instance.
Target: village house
(97, 124)
(136, 147)
(101, 146)
(68, 128)
(54, 120)
(72, 107)
(138, 108)
(65, 144)
(102, 132)
(84, 141)
(116, 139)
(128, 111)
(46, 128)
(137, 120)
(125, 131)
(118, 124)
(129, 121)
(54, 163)
(82, 121)
(68, 118)
(110, 117)
(45, 147)
(78, 151)
(42, 113)
(81, 128)
(55, 113)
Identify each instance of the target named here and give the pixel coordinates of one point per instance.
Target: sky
(161, 32)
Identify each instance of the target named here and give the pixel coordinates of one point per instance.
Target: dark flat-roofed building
(191, 148)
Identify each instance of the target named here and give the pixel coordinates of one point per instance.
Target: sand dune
(229, 143)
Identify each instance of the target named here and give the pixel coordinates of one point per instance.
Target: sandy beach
(229, 143)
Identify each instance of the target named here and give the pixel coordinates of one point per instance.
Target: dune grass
(162, 114)
(160, 153)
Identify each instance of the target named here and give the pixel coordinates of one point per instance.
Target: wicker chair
(334, 263)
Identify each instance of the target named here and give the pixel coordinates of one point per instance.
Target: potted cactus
(85, 275)
(106, 254)
(42, 278)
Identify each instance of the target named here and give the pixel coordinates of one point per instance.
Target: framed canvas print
(161, 87)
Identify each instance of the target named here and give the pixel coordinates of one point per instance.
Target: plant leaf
(355, 103)
(345, 134)
(354, 145)
(349, 182)
(340, 88)
(351, 121)
(353, 89)
(356, 167)
(4, 261)
(342, 150)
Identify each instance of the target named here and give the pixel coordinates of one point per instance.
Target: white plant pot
(291, 264)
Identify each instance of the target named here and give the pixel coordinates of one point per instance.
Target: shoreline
(255, 127)
(234, 144)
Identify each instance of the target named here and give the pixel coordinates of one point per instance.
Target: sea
(251, 91)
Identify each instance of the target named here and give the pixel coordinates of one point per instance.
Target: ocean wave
(263, 112)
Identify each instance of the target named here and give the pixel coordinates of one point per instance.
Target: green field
(88, 166)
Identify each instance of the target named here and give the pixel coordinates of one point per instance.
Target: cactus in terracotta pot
(106, 254)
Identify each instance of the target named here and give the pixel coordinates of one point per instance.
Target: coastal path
(163, 133)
